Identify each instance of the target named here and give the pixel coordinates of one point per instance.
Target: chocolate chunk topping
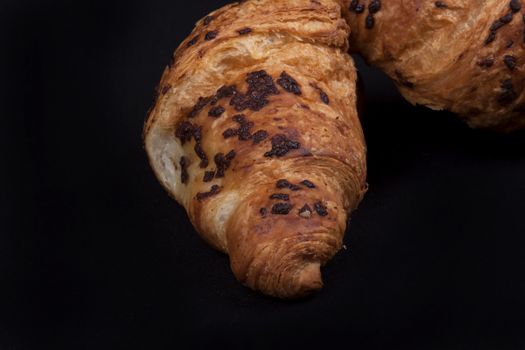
(283, 184)
(201, 103)
(208, 176)
(515, 5)
(192, 41)
(213, 191)
(263, 212)
(321, 209)
(211, 35)
(208, 19)
(229, 133)
(259, 136)
(497, 25)
(281, 145)
(184, 131)
(441, 5)
(202, 155)
(280, 196)
(244, 31)
(324, 97)
(374, 6)
(286, 184)
(281, 208)
(260, 86)
(490, 38)
(508, 94)
(184, 163)
(486, 62)
(240, 118)
(197, 133)
(506, 19)
(308, 184)
(223, 162)
(226, 91)
(305, 211)
(510, 62)
(289, 84)
(356, 7)
(216, 112)
(370, 21)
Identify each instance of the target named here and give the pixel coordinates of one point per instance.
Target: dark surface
(95, 255)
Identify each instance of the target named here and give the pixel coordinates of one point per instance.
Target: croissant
(255, 132)
(465, 56)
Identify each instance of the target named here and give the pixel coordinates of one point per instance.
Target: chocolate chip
(507, 18)
(374, 6)
(324, 97)
(184, 131)
(192, 41)
(201, 103)
(208, 19)
(213, 191)
(510, 62)
(197, 133)
(510, 43)
(281, 208)
(508, 94)
(283, 184)
(486, 62)
(229, 133)
(202, 155)
(184, 163)
(286, 184)
(289, 84)
(244, 131)
(370, 21)
(260, 87)
(320, 208)
(211, 35)
(208, 176)
(490, 38)
(223, 162)
(441, 5)
(281, 145)
(515, 6)
(356, 7)
(280, 196)
(308, 184)
(216, 112)
(226, 91)
(259, 136)
(244, 31)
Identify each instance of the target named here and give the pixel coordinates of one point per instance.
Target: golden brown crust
(466, 56)
(265, 93)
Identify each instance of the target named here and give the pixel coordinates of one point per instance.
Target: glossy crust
(286, 111)
(466, 56)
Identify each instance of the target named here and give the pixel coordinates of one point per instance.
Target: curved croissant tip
(309, 279)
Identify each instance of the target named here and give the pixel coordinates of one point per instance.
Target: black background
(95, 255)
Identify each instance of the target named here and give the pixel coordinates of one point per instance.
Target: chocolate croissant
(466, 56)
(255, 132)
